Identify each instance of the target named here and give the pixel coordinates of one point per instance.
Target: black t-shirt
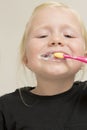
(23, 110)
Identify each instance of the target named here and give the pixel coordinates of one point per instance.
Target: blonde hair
(44, 5)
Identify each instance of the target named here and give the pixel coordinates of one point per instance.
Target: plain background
(14, 15)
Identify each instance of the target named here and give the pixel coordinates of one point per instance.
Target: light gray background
(13, 17)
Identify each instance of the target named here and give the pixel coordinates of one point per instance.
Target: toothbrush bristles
(58, 55)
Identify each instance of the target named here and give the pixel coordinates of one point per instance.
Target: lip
(49, 55)
(52, 52)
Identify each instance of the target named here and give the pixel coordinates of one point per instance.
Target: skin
(54, 29)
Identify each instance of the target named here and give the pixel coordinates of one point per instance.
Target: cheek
(78, 48)
(31, 49)
(34, 47)
(32, 52)
(31, 58)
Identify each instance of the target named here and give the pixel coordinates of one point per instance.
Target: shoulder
(8, 98)
(82, 98)
(82, 85)
(14, 98)
(81, 88)
(79, 114)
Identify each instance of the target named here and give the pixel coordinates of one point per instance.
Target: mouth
(50, 56)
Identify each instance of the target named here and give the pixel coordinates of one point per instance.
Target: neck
(49, 87)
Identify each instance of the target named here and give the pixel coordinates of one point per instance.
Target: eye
(43, 36)
(69, 36)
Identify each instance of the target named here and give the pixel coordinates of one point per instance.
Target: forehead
(49, 15)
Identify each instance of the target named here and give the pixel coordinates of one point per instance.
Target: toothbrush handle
(82, 59)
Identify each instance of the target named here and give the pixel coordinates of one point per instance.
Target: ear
(25, 60)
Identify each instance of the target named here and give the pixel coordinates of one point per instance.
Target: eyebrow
(66, 26)
(42, 27)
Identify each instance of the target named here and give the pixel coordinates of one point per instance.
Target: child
(57, 102)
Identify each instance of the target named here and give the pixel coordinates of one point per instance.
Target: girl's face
(54, 30)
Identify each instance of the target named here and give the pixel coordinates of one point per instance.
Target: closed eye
(43, 36)
(69, 36)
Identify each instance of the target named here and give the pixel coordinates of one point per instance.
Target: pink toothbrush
(61, 56)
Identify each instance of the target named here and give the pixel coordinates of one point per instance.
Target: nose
(56, 41)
